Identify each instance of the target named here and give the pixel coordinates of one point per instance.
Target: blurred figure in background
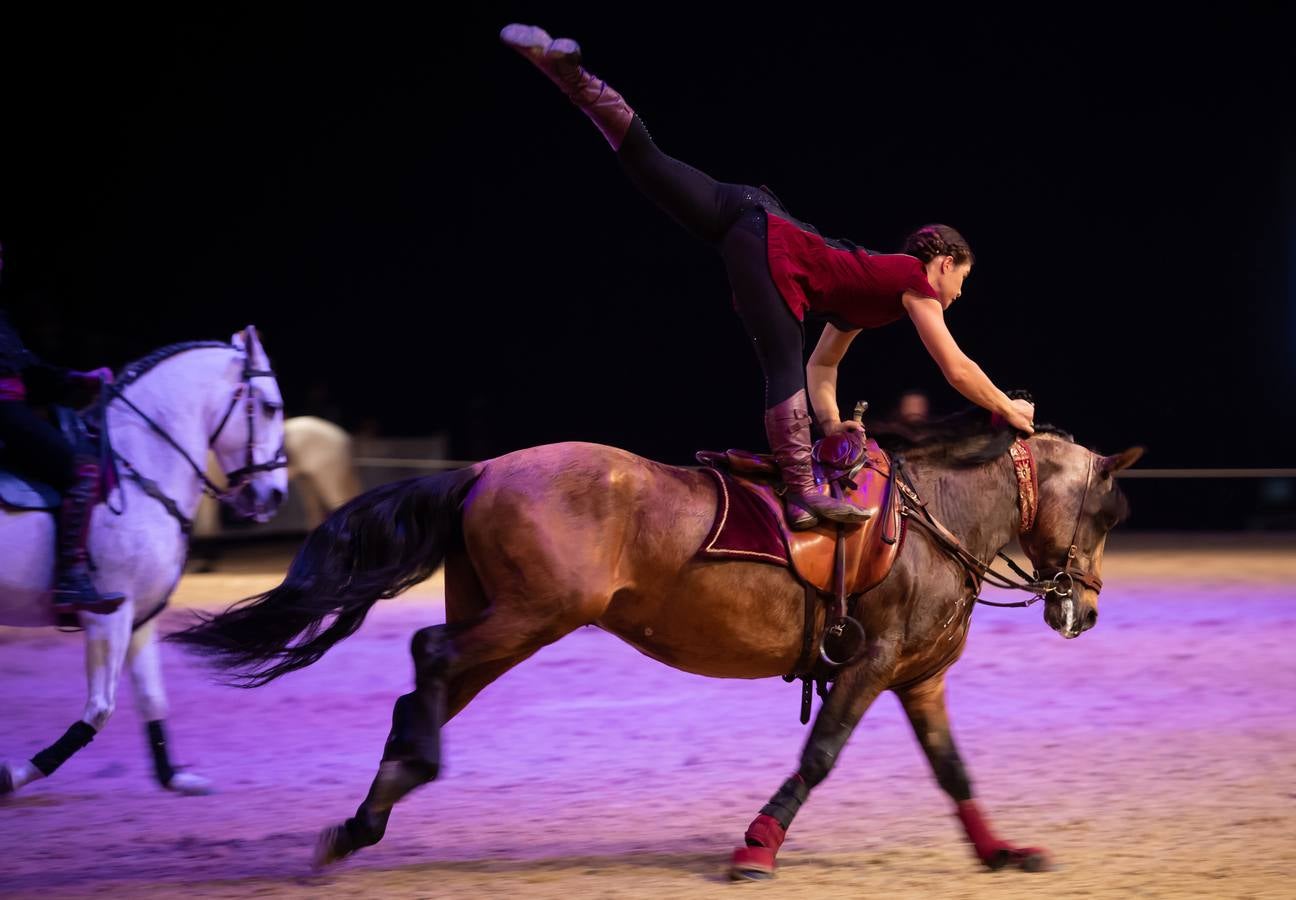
(320, 466)
(913, 407)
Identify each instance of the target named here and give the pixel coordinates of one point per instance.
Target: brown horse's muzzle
(1072, 614)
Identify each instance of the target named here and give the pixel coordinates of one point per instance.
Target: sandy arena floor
(1155, 757)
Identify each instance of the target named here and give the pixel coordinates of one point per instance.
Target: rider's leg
(708, 209)
(703, 206)
(37, 448)
(777, 338)
(74, 589)
(34, 447)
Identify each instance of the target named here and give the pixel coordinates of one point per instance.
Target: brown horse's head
(1079, 504)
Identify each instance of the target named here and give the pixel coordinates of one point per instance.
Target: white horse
(164, 412)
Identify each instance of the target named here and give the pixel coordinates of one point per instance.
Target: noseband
(239, 477)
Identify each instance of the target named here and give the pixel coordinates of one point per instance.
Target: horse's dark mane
(963, 439)
(134, 371)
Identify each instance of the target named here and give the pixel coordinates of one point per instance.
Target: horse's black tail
(374, 547)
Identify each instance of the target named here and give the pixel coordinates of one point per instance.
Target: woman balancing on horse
(780, 269)
(37, 449)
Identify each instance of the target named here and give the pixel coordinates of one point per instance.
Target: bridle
(1060, 581)
(238, 479)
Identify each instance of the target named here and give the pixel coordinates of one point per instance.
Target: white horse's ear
(1110, 465)
(249, 342)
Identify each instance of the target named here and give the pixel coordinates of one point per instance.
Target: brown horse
(542, 541)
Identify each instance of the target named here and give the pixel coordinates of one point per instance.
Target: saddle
(847, 464)
(836, 563)
(19, 491)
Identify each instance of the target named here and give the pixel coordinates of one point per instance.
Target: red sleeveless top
(860, 289)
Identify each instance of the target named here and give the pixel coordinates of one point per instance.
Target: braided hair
(932, 241)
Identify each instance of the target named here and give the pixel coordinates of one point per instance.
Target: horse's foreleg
(850, 696)
(925, 706)
(145, 664)
(106, 638)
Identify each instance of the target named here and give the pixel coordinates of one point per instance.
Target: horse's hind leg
(448, 674)
(106, 639)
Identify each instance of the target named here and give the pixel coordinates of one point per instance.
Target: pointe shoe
(560, 61)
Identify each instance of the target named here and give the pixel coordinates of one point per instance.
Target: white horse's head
(249, 441)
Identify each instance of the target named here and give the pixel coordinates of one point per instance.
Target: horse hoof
(1028, 859)
(332, 845)
(189, 784)
(752, 864)
(1033, 859)
(325, 847)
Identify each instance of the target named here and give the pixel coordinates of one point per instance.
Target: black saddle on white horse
(18, 491)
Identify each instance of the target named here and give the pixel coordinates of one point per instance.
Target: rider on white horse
(35, 448)
(165, 412)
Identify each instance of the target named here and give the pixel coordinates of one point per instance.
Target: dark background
(431, 239)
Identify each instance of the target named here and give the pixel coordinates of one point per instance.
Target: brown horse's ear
(1110, 465)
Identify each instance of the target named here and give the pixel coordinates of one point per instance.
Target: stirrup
(75, 592)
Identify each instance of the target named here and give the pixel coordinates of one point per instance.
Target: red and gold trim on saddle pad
(1027, 482)
(749, 524)
(745, 527)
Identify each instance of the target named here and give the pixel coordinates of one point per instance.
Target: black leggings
(34, 447)
(730, 217)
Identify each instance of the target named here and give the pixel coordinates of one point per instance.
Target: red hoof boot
(994, 853)
(756, 862)
(752, 864)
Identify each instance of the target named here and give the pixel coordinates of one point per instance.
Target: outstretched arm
(964, 375)
(821, 379)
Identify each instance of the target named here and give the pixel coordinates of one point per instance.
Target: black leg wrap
(784, 805)
(950, 774)
(432, 653)
(162, 767)
(415, 737)
(53, 756)
(817, 760)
